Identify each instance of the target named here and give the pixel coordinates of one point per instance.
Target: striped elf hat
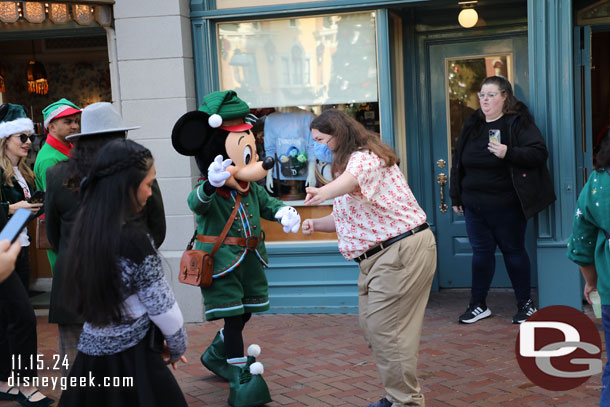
(226, 110)
(61, 108)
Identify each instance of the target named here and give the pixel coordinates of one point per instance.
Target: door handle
(441, 179)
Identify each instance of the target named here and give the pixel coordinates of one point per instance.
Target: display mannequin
(287, 136)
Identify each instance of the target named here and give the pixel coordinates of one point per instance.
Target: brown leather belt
(248, 242)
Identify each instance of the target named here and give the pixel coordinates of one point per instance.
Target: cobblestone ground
(322, 360)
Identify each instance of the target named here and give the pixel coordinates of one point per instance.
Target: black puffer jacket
(526, 155)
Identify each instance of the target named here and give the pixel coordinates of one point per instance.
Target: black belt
(389, 242)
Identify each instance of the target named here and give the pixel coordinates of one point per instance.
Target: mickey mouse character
(224, 149)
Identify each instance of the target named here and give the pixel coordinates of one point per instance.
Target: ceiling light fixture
(468, 17)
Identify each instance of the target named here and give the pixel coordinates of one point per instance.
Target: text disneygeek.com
(64, 382)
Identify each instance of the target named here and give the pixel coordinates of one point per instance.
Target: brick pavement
(322, 360)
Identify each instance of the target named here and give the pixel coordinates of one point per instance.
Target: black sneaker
(475, 312)
(524, 311)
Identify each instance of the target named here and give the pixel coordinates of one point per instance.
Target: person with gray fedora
(100, 123)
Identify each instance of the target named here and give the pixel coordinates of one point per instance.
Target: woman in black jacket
(18, 339)
(499, 179)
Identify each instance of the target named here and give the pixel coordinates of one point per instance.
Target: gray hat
(100, 118)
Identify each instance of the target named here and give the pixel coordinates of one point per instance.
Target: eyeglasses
(490, 95)
(24, 137)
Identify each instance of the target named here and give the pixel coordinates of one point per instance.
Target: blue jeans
(604, 400)
(491, 226)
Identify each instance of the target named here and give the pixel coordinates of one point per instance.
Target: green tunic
(588, 243)
(239, 283)
(46, 158)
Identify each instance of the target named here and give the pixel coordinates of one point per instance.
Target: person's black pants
(17, 329)
(489, 227)
(22, 267)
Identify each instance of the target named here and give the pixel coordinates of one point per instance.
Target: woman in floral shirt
(378, 221)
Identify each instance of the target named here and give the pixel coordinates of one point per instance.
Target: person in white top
(381, 226)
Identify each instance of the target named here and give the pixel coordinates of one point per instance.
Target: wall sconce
(82, 13)
(36, 76)
(103, 15)
(34, 12)
(9, 12)
(58, 13)
(468, 17)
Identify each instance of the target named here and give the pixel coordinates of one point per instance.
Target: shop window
(329, 59)
(289, 70)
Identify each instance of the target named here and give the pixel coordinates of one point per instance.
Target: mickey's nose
(268, 163)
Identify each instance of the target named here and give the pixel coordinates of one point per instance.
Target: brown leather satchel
(42, 242)
(197, 266)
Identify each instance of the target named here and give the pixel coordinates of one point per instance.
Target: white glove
(217, 171)
(269, 182)
(289, 218)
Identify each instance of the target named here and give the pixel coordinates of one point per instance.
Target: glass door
(456, 71)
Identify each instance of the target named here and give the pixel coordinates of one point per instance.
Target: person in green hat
(227, 196)
(61, 119)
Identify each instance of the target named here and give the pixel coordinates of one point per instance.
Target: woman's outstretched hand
(315, 196)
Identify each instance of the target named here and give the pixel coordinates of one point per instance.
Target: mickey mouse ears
(189, 133)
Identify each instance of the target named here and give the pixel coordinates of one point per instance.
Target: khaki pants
(393, 290)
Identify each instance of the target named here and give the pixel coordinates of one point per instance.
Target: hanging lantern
(9, 12)
(34, 12)
(37, 78)
(58, 13)
(82, 14)
(2, 87)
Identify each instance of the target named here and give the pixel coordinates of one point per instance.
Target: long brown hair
(8, 174)
(351, 136)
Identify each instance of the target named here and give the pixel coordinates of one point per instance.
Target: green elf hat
(226, 111)
(61, 108)
(13, 120)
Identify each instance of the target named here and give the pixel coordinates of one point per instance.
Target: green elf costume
(224, 149)
(53, 151)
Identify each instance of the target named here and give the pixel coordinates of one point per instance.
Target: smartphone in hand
(494, 135)
(15, 225)
(38, 197)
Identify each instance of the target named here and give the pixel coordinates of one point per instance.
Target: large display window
(288, 71)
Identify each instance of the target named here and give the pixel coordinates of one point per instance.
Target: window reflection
(300, 61)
